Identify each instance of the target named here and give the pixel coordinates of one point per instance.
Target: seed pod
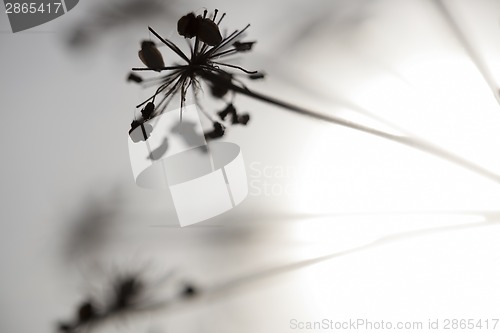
(243, 119)
(86, 312)
(151, 56)
(134, 78)
(208, 32)
(205, 29)
(257, 76)
(217, 132)
(189, 291)
(219, 88)
(242, 47)
(148, 110)
(228, 110)
(187, 25)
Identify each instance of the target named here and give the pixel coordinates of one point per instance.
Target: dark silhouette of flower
(203, 62)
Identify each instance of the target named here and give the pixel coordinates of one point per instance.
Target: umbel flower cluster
(203, 63)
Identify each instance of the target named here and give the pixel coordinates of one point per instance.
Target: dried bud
(134, 78)
(220, 86)
(229, 110)
(151, 56)
(209, 32)
(205, 29)
(86, 312)
(189, 291)
(217, 132)
(187, 26)
(257, 76)
(243, 119)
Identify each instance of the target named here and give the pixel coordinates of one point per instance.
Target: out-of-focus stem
(221, 290)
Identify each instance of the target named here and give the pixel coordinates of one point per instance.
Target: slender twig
(413, 141)
(236, 67)
(223, 288)
(199, 294)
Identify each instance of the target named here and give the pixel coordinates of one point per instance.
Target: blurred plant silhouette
(92, 227)
(202, 64)
(128, 293)
(131, 294)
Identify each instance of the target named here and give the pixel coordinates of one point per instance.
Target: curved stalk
(224, 288)
(409, 141)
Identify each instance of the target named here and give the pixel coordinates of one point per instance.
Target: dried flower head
(202, 63)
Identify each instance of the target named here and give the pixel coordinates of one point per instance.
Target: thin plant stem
(224, 288)
(410, 141)
(469, 48)
(220, 290)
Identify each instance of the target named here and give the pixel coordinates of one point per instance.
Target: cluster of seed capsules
(125, 296)
(202, 64)
(129, 294)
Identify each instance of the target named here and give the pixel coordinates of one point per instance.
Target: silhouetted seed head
(203, 63)
(243, 47)
(148, 110)
(151, 56)
(134, 78)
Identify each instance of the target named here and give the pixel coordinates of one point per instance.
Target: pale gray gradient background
(65, 116)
